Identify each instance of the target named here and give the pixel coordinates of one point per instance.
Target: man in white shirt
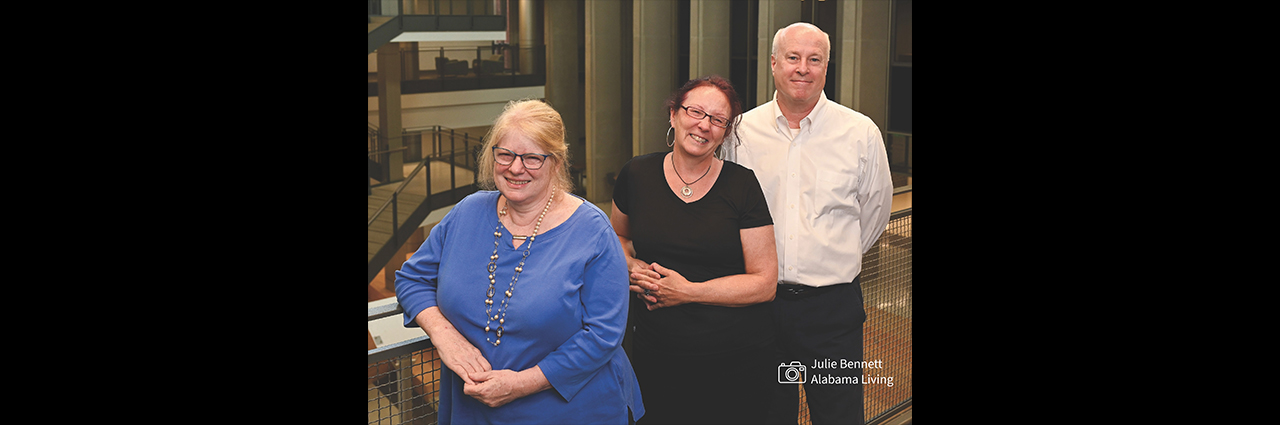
(825, 176)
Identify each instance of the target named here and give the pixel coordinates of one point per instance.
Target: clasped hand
(494, 387)
(491, 387)
(658, 286)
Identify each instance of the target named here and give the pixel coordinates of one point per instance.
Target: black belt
(794, 292)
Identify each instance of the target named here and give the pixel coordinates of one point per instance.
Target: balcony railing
(404, 376)
(444, 69)
(430, 7)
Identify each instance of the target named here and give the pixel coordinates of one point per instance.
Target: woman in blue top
(529, 327)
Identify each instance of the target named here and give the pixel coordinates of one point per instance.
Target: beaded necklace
(501, 316)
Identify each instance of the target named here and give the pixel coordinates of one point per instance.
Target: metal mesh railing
(403, 387)
(404, 377)
(886, 335)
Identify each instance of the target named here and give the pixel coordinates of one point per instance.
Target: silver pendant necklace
(501, 315)
(686, 191)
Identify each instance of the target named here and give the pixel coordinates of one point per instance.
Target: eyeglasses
(698, 114)
(531, 161)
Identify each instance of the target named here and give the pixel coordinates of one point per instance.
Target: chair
(447, 67)
(493, 65)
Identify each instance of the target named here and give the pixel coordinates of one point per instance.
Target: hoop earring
(672, 143)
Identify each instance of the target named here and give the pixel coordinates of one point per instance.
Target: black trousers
(820, 328)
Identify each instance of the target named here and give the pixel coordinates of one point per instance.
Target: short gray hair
(778, 36)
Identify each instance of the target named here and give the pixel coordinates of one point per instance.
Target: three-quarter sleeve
(603, 299)
(416, 281)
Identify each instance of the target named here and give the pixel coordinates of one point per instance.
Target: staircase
(445, 176)
(380, 231)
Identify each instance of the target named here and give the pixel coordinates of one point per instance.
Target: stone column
(654, 55)
(709, 38)
(389, 129)
(608, 138)
(863, 52)
(563, 90)
(774, 14)
(530, 36)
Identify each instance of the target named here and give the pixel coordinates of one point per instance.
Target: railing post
(427, 169)
(473, 159)
(395, 219)
(453, 182)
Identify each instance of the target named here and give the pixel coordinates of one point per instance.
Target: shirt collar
(781, 121)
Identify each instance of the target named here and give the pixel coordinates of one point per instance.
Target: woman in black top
(700, 248)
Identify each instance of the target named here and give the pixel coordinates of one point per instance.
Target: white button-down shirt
(828, 187)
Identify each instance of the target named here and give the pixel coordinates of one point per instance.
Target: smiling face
(799, 64)
(524, 127)
(697, 137)
(519, 184)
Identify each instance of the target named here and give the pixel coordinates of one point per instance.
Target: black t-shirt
(701, 241)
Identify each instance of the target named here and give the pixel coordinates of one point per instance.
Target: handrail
(398, 348)
(399, 189)
(390, 151)
(466, 138)
(386, 310)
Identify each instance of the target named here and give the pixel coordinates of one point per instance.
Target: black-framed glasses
(698, 114)
(531, 161)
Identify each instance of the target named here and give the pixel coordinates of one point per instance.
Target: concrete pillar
(530, 40)
(774, 14)
(389, 129)
(709, 38)
(607, 118)
(863, 52)
(654, 41)
(563, 89)
(409, 60)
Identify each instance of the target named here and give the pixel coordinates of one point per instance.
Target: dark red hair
(735, 106)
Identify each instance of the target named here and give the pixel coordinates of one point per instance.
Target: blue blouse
(567, 313)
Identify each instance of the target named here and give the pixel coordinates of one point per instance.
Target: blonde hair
(540, 123)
